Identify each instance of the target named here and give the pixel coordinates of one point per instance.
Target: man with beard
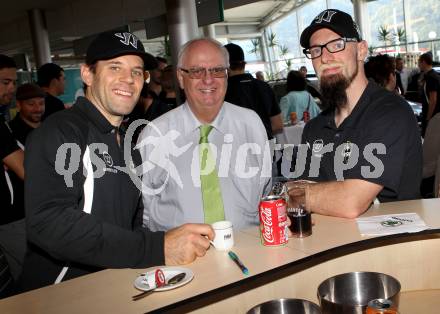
(30, 107)
(365, 144)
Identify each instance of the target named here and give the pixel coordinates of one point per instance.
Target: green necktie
(211, 192)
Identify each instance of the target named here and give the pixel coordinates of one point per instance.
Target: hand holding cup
(297, 211)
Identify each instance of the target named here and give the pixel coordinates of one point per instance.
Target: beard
(31, 117)
(334, 90)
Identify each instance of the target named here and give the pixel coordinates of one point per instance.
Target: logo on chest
(108, 164)
(107, 159)
(346, 151)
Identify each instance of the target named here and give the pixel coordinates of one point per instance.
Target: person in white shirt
(169, 147)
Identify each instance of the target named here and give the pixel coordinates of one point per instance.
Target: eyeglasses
(198, 73)
(332, 46)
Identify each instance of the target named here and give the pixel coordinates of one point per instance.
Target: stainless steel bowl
(350, 293)
(286, 306)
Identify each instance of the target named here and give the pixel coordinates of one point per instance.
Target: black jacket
(8, 199)
(85, 224)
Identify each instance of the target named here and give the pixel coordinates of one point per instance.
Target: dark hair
(167, 80)
(92, 68)
(295, 81)
(7, 62)
(427, 58)
(161, 59)
(144, 90)
(379, 68)
(47, 72)
(237, 65)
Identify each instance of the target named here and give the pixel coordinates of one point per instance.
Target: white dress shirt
(171, 172)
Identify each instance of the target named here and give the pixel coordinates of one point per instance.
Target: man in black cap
(365, 144)
(30, 107)
(81, 192)
(246, 91)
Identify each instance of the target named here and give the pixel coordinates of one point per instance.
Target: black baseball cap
(236, 54)
(28, 91)
(112, 44)
(335, 20)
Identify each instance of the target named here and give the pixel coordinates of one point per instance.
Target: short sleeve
(394, 130)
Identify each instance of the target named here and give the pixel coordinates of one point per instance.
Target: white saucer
(141, 282)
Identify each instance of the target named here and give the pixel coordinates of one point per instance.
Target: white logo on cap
(128, 39)
(325, 16)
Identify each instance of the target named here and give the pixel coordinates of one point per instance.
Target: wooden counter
(291, 271)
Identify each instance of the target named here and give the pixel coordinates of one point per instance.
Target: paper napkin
(390, 224)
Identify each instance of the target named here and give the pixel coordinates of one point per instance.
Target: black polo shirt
(52, 105)
(248, 92)
(380, 120)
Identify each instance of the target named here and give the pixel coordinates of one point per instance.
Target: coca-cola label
(272, 222)
(266, 221)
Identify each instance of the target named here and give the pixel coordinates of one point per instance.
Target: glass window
(422, 17)
(308, 12)
(385, 20)
(286, 31)
(248, 49)
(343, 5)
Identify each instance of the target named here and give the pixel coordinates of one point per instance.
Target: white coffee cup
(224, 236)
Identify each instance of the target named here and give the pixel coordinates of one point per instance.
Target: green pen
(237, 261)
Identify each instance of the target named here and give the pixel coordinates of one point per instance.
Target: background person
(358, 113)
(430, 88)
(85, 221)
(11, 155)
(431, 158)
(303, 71)
(298, 98)
(155, 84)
(30, 110)
(381, 69)
(245, 91)
(51, 79)
(405, 73)
(167, 98)
(259, 75)
(30, 106)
